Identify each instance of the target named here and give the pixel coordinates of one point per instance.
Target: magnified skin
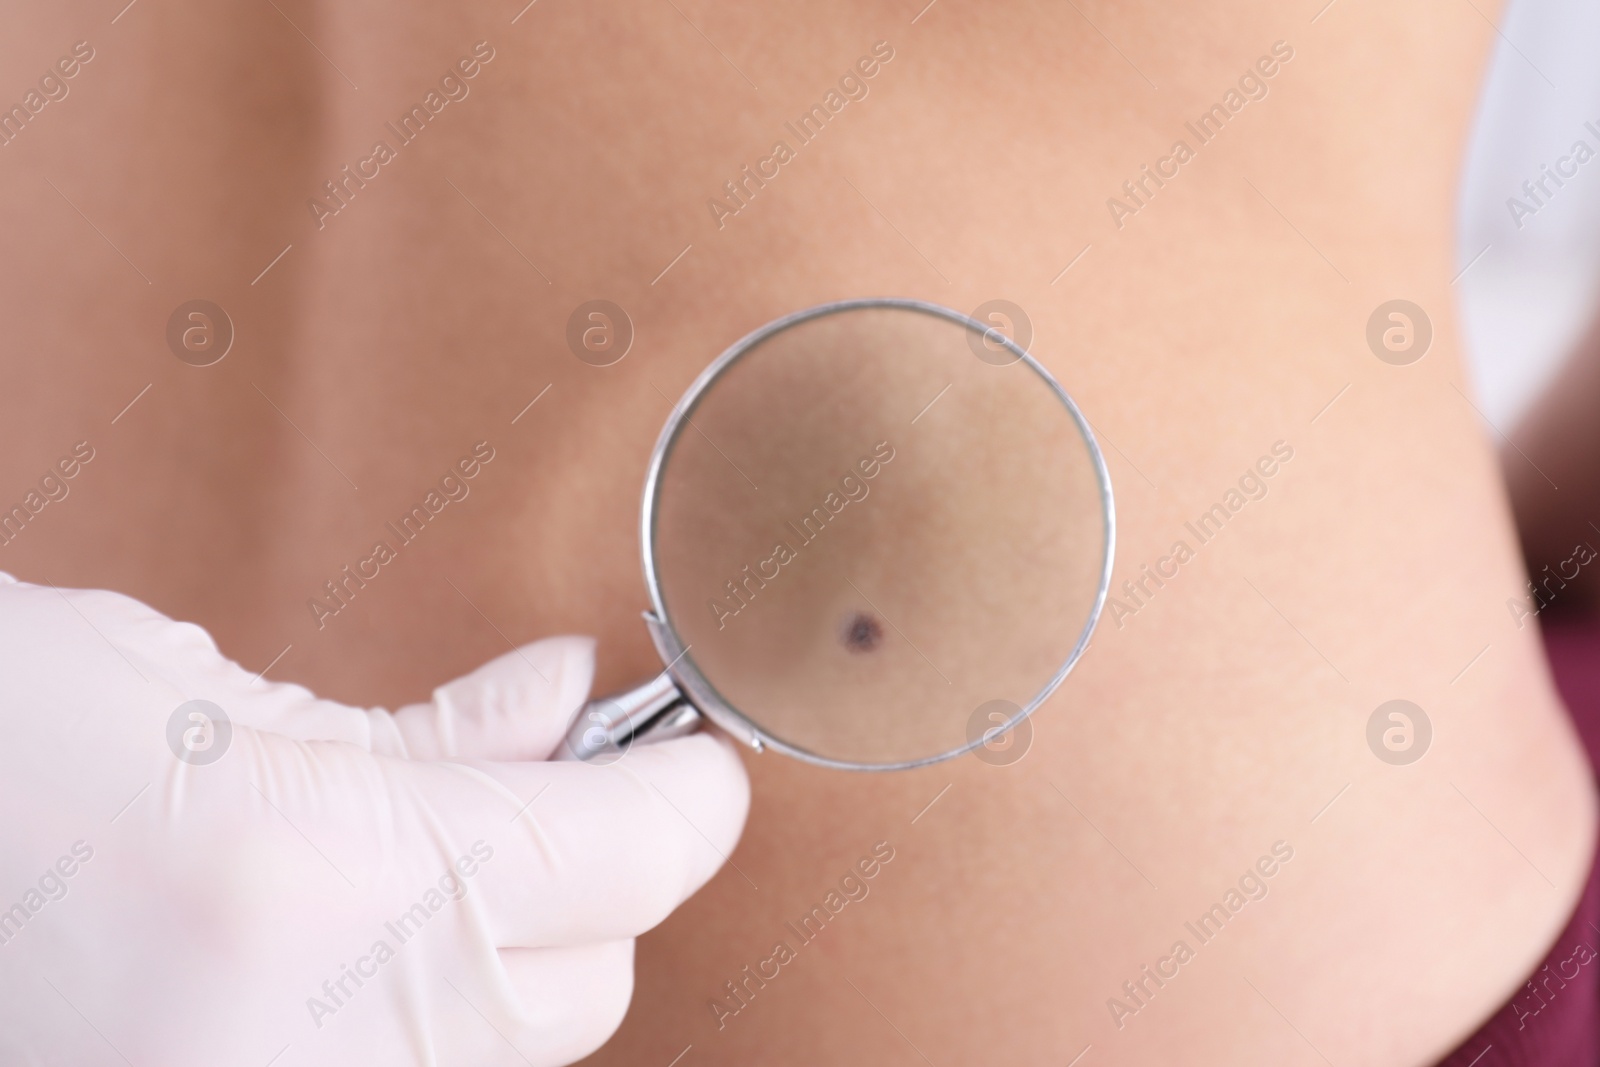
(865, 464)
(1221, 712)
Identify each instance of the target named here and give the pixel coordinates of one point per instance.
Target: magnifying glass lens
(873, 523)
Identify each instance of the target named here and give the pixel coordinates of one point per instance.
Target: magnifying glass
(877, 534)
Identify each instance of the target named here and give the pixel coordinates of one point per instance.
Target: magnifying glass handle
(654, 711)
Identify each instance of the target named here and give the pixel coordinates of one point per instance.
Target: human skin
(1228, 713)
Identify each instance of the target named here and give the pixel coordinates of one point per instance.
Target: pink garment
(1554, 1020)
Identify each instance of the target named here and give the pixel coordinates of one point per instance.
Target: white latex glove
(163, 912)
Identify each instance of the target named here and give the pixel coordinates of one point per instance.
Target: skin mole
(862, 632)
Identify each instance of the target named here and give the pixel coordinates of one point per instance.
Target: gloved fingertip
(573, 674)
(517, 706)
(704, 778)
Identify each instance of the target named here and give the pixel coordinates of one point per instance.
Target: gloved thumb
(514, 708)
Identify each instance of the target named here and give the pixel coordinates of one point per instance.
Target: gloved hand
(310, 883)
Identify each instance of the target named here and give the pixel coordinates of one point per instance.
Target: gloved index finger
(516, 706)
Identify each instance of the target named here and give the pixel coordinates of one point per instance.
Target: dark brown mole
(862, 632)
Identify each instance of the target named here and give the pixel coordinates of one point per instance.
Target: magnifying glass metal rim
(682, 670)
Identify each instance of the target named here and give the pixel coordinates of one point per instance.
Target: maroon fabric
(1554, 1020)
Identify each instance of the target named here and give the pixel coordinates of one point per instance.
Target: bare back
(1199, 210)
